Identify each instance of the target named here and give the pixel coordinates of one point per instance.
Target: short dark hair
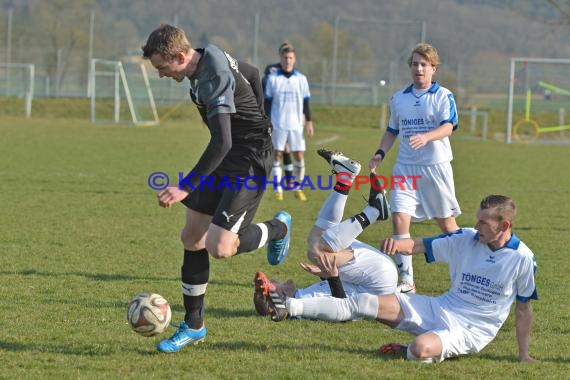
(166, 40)
(505, 206)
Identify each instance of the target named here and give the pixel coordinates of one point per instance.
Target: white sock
(404, 262)
(288, 168)
(362, 305)
(276, 174)
(342, 235)
(332, 210)
(299, 170)
(371, 213)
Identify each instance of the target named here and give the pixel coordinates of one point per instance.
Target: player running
(219, 218)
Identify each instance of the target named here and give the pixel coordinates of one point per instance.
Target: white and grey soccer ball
(149, 314)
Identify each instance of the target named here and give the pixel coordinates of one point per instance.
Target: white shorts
(433, 195)
(424, 314)
(370, 271)
(293, 137)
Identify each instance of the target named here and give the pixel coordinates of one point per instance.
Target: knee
(426, 346)
(191, 240)
(419, 349)
(221, 249)
(315, 254)
(312, 256)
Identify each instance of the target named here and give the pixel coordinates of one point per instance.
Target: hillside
(475, 38)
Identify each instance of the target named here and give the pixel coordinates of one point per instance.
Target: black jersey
(218, 86)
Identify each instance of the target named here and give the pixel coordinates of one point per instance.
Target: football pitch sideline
(82, 234)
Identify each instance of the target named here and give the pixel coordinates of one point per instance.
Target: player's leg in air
(328, 241)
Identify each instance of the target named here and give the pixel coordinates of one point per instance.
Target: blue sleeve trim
(428, 244)
(429, 249)
(393, 131)
(452, 113)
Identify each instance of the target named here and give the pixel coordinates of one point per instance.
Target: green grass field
(82, 233)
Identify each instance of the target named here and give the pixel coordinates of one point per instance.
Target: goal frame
(28, 92)
(120, 79)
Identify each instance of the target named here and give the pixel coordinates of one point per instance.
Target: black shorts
(232, 193)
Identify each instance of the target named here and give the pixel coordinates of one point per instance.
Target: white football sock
(342, 235)
(299, 171)
(334, 309)
(332, 210)
(276, 173)
(404, 262)
(372, 213)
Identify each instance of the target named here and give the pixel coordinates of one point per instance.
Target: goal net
(121, 93)
(17, 80)
(539, 93)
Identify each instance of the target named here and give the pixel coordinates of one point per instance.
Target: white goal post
(18, 80)
(112, 84)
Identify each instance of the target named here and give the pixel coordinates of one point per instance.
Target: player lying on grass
(489, 268)
(349, 266)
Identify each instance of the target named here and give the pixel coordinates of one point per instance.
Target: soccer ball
(149, 314)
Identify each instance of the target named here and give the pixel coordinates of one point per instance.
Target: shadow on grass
(85, 350)
(235, 346)
(514, 359)
(90, 276)
(121, 277)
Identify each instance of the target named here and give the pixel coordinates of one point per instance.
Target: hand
(309, 129)
(418, 141)
(312, 269)
(389, 246)
(374, 162)
(170, 196)
(326, 267)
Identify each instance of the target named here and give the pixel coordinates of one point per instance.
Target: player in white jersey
(489, 268)
(422, 115)
(287, 99)
(349, 265)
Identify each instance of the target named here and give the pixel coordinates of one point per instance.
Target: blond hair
(427, 51)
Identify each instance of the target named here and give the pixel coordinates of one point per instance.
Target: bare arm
(403, 246)
(386, 143)
(420, 140)
(523, 322)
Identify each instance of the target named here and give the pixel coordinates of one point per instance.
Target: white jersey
(287, 95)
(484, 283)
(412, 113)
(370, 271)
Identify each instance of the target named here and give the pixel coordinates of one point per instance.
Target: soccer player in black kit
(219, 214)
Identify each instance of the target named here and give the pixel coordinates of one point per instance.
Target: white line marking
(326, 140)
